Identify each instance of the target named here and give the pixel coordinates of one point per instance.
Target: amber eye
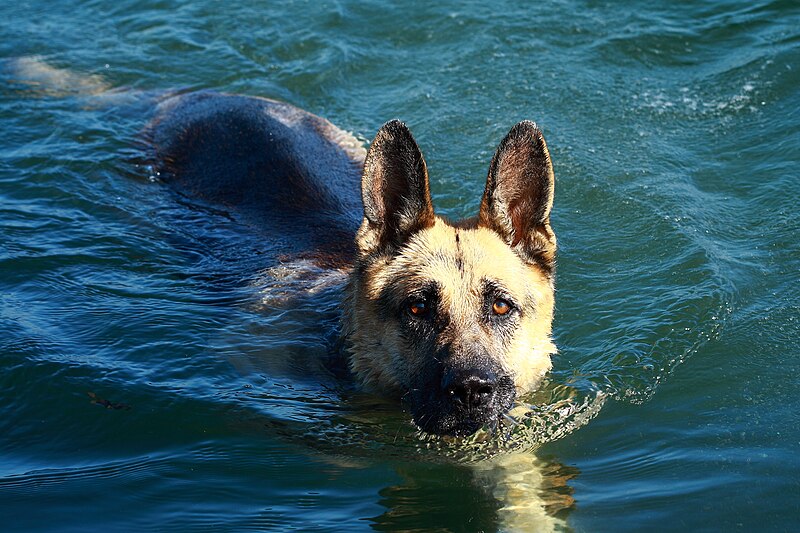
(418, 308)
(501, 307)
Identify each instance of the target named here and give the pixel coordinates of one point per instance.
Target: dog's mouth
(462, 406)
(457, 427)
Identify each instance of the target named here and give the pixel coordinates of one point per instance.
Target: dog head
(453, 317)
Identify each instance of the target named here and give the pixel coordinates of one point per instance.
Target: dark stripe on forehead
(459, 254)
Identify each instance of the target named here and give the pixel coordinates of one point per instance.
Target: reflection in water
(448, 496)
(533, 493)
(516, 492)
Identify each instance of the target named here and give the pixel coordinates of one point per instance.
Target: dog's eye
(501, 307)
(418, 308)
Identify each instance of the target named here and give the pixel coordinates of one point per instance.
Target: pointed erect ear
(519, 195)
(394, 189)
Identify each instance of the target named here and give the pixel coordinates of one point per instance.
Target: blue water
(152, 381)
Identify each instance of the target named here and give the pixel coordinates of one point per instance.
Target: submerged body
(296, 174)
(453, 318)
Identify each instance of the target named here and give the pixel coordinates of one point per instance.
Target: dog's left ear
(519, 195)
(394, 190)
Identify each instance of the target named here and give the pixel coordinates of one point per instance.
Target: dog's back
(295, 173)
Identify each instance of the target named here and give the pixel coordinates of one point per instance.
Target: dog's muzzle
(464, 399)
(469, 389)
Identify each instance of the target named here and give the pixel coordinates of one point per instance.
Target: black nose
(471, 388)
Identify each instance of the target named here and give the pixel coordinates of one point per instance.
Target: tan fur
(379, 357)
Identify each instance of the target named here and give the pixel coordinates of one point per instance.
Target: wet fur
(460, 258)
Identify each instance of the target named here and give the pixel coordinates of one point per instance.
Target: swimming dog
(454, 318)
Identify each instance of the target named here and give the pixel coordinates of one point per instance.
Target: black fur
(394, 188)
(266, 160)
(519, 194)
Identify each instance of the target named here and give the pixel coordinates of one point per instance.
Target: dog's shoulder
(238, 150)
(296, 174)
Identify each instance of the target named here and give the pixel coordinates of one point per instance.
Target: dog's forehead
(459, 261)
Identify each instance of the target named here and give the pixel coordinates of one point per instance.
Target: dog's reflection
(518, 492)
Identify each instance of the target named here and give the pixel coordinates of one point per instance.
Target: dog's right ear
(394, 189)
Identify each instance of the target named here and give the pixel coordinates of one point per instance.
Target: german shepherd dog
(454, 318)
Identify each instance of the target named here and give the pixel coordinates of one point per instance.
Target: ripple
(31, 482)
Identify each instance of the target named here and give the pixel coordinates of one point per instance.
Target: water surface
(148, 384)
